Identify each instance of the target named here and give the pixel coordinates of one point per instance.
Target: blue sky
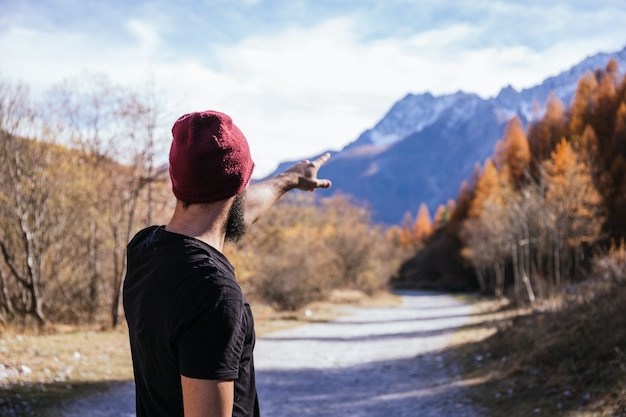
(303, 76)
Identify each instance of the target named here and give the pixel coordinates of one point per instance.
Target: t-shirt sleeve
(211, 340)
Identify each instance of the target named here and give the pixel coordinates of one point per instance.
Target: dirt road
(371, 362)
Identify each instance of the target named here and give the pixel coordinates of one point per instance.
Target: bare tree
(115, 130)
(34, 212)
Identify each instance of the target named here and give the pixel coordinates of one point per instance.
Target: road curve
(371, 362)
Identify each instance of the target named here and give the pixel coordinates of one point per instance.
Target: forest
(78, 179)
(540, 214)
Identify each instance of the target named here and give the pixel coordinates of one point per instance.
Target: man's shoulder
(142, 235)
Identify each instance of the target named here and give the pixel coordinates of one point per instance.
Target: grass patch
(566, 357)
(39, 371)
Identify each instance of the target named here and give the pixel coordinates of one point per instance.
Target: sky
(302, 76)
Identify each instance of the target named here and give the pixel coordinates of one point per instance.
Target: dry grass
(40, 371)
(564, 358)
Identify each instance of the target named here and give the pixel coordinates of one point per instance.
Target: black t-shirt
(186, 316)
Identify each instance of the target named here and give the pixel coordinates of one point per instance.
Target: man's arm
(261, 197)
(207, 398)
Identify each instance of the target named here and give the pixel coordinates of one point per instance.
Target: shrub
(304, 249)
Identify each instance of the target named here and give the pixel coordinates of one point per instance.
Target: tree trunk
(92, 303)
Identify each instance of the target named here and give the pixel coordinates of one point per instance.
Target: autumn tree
(413, 233)
(584, 101)
(603, 115)
(616, 197)
(441, 215)
(574, 205)
(513, 151)
(423, 223)
(486, 190)
(114, 128)
(483, 231)
(544, 134)
(21, 274)
(39, 181)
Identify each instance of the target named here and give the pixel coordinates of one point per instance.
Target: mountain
(426, 146)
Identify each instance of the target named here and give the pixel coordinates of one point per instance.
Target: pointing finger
(321, 160)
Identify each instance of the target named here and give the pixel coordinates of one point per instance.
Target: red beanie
(209, 158)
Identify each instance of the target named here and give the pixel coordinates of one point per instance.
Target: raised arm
(260, 197)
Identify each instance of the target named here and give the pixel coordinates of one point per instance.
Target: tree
(483, 236)
(486, 190)
(513, 150)
(574, 205)
(582, 105)
(423, 224)
(114, 128)
(413, 233)
(38, 181)
(616, 197)
(483, 231)
(544, 134)
(606, 105)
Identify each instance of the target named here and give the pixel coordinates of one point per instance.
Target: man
(191, 330)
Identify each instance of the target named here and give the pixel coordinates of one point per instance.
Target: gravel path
(371, 362)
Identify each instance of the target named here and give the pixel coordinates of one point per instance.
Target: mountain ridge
(425, 146)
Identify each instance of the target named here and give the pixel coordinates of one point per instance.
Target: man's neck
(204, 222)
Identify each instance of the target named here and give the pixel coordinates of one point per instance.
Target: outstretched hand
(306, 174)
(303, 176)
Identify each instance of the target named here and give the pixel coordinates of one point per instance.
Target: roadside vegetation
(565, 356)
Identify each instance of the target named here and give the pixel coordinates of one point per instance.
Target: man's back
(186, 316)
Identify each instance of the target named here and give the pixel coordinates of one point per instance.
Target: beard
(235, 226)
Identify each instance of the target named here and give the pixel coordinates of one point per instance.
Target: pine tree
(486, 188)
(423, 224)
(548, 131)
(574, 204)
(513, 150)
(441, 216)
(584, 101)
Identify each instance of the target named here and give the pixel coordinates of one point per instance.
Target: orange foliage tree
(544, 134)
(574, 204)
(513, 151)
(483, 231)
(413, 234)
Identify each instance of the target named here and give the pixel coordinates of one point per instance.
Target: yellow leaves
(513, 150)
(620, 123)
(423, 224)
(562, 160)
(412, 234)
(303, 248)
(584, 100)
(486, 191)
(571, 196)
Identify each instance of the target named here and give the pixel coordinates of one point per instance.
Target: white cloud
(301, 90)
(146, 35)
